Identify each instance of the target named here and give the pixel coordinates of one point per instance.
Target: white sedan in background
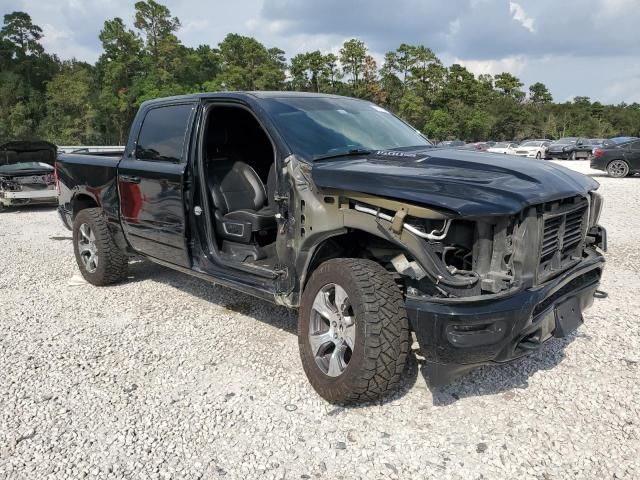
(502, 147)
(532, 149)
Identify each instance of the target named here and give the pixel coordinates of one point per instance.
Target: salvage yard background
(168, 376)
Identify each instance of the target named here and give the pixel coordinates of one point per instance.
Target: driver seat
(243, 207)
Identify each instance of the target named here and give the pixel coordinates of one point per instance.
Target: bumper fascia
(458, 336)
(23, 197)
(559, 155)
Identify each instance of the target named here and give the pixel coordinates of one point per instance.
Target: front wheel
(572, 156)
(538, 155)
(618, 169)
(100, 260)
(353, 331)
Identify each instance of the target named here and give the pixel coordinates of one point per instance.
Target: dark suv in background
(570, 148)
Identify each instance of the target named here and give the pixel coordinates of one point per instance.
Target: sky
(576, 47)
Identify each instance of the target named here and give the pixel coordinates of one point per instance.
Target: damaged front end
(479, 288)
(496, 288)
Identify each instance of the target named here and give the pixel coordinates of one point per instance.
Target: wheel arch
(342, 244)
(82, 201)
(617, 159)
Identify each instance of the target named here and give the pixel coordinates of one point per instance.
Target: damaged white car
(27, 173)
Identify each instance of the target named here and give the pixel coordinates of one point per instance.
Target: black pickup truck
(336, 207)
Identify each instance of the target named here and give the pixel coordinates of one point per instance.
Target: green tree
(413, 109)
(156, 22)
(24, 70)
(369, 87)
(509, 85)
(248, 65)
(119, 67)
(71, 106)
(539, 94)
(441, 126)
(353, 55)
(460, 85)
(22, 35)
(197, 66)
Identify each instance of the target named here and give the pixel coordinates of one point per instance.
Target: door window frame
(186, 141)
(208, 104)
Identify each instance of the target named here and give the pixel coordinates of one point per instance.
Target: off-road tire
(382, 332)
(112, 262)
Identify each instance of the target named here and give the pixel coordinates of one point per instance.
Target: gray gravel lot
(168, 376)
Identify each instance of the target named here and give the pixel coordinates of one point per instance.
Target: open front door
(151, 182)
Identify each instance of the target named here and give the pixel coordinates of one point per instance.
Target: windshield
(619, 140)
(316, 127)
(501, 145)
(24, 166)
(530, 144)
(566, 140)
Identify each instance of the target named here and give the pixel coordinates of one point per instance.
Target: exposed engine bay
(489, 255)
(27, 173)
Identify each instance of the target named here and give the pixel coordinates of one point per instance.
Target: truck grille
(563, 233)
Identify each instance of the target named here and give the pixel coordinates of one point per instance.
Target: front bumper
(527, 154)
(459, 335)
(562, 155)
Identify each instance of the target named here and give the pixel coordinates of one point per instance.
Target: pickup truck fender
(319, 216)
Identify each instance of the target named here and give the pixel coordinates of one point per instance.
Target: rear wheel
(618, 169)
(100, 260)
(353, 331)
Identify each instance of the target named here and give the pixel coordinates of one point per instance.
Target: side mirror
(579, 143)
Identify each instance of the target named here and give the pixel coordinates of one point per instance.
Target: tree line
(74, 102)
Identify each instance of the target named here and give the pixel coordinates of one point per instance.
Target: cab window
(162, 136)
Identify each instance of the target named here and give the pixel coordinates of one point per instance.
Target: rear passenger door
(151, 183)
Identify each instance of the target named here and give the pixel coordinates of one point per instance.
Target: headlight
(595, 209)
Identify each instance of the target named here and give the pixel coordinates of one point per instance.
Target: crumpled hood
(465, 182)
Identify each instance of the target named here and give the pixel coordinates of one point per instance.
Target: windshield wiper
(348, 153)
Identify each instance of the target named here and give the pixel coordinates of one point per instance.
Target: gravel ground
(167, 376)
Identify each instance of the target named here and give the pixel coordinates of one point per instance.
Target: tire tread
(115, 260)
(386, 327)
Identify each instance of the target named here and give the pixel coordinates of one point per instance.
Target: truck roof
(242, 95)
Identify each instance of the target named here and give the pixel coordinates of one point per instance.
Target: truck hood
(465, 182)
